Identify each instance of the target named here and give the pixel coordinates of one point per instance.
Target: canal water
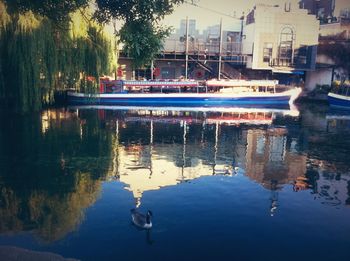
(242, 184)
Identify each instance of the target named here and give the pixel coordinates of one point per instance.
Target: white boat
(214, 93)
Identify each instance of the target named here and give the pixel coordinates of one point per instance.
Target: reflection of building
(149, 165)
(145, 167)
(201, 146)
(334, 31)
(270, 163)
(268, 159)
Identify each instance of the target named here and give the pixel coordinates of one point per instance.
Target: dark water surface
(239, 185)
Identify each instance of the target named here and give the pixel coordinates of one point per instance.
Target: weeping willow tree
(39, 56)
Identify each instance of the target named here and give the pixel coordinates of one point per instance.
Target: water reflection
(54, 170)
(49, 173)
(201, 145)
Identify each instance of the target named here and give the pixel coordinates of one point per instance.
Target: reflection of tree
(51, 216)
(326, 139)
(9, 208)
(328, 185)
(327, 148)
(50, 175)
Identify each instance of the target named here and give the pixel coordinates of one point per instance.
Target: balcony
(231, 52)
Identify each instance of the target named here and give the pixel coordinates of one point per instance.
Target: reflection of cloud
(159, 172)
(151, 169)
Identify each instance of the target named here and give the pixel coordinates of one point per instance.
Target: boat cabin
(190, 86)
(157, 86)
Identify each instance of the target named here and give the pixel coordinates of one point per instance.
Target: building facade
(280, 38)
(334, 36)
(274, 42)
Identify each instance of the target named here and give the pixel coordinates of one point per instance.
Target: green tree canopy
(50, 45)
(39, 56)
(131, 10)
(141, 33)
(57, 11)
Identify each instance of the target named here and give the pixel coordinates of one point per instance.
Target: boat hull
(341, 101)
(183, 99)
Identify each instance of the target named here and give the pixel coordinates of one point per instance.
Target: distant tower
(192, 31)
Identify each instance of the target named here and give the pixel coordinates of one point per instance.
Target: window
(321, 13)
(250, 18)
(267, 52)
(286, 47)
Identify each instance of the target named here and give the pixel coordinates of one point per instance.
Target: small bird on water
(141, 220)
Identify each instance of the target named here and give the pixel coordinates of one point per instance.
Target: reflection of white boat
(251, 118)
(286, 112)
(170, 120)
(338, 117)
(338, 114)
(214, 115)
(227, 119)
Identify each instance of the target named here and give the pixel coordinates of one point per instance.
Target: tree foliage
(131, 10)
(38, 58)
(139, 16)
(44, 47)
(141, 33)
(57, 11)
(142, 41)
(339, 51)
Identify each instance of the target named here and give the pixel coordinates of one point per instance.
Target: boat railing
(166, 89)
(192, 86)
(239, 86)
(341, 89)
